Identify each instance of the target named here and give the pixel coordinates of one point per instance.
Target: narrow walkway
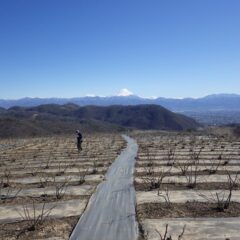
(111, 211)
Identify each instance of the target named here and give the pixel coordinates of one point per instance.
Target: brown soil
(183, 186)
(49, 174)
(203, 172)
(38, 185)
(41, 199)
(81, 165)
(139, 164)
(188, 209)
(50, 228)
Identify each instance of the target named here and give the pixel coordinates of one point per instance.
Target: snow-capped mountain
(216, 102)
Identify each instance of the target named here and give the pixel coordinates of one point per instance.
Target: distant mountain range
(61, 119)
(217, 102)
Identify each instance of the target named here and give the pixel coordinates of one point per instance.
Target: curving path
(110, 213)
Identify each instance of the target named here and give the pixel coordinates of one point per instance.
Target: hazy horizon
(121, 93)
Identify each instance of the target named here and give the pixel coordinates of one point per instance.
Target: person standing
(79, 140)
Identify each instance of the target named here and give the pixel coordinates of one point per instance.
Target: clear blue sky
(70, 48)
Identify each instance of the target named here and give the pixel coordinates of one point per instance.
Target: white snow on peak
(152, 97)
(90, 95)
(124, 93)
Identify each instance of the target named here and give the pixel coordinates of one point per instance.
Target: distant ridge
(59, 119)
(215, 102)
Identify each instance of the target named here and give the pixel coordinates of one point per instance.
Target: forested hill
(60, 119)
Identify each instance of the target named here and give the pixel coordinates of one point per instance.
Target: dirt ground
(51, 162)
(50, 228)
(188, 209)
(163, 163)
(184, 186)
(42, 199)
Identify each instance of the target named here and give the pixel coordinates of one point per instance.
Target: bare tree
(62, 168)
(35, 217)
(35, 171)
(170, 156)
(164, 193)
(47, 165)
(192, 174)
(6, 178)
(94, 170)
(61, 187)
(223, 198)
(44, 180)
(183, 166)
(213, 166)
(166, 236)
(154, 178)
(8, 194)
(82, 174)
(193, 168)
